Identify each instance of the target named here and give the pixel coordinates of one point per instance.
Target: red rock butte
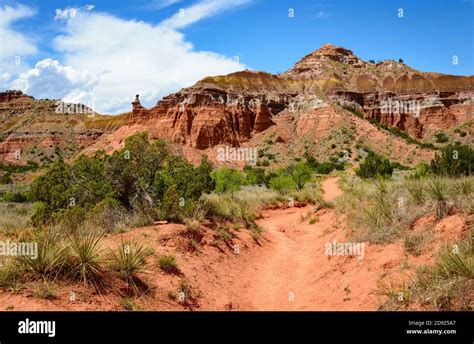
(233, 108)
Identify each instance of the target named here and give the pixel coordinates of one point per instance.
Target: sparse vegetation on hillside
(403, 135)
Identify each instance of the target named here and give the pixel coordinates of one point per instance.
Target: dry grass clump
(380, 211)
(447, 285)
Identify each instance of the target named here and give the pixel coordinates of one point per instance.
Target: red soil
(286, 270)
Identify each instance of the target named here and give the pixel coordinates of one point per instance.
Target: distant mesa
(10, 95)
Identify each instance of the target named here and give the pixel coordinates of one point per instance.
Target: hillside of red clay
(286, 269)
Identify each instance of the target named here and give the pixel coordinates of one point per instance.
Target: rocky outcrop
(12, 95)
(231, 109)
(42, 130)
(413, 113)
(203, 116)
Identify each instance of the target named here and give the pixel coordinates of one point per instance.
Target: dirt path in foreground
(291, 270)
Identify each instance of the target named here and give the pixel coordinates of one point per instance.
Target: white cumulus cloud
(14, 46)
(106, 60)
(50, 79)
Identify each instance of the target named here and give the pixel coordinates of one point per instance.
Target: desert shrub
(170, 208)
(42, 214)
(422, 169)
(414, 243)
(254, 176)
(227, 180)
(168, 263)
(374, 165)
(14, 168)
(45, 292)
(70, 219)
(416, 190)
(140, 218)
(373, 212)
(6, 178)
(456, 262)
(464, 186)
(11, 274)
(328, 167)
(282, 182)
(228, 207)
(86, 257)
(51, 259)
(129, 305)
(438, 189)
(311, 193)
(119, 185)
(324, 167)
(385, 209)
(223, 234)
(258, 195)
(129, 260)
(353, 109)
(441, 137)
(300, 173)
(16, 197)
(15, 216)
(454, 161)
(108, 214)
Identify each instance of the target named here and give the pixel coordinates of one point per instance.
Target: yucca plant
(456, 264)
(86, 257)
(128, 260)
(51, 257)
(439, 190)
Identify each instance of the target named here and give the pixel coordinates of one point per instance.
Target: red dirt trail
(291, 270)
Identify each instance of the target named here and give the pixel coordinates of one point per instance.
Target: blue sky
(103, 52)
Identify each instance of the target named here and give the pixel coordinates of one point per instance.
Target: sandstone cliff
(231, 109)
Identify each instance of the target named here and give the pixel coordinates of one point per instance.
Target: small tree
(374, 165)
(282, 182)
(300, 173)
(254, 176)
(454, 161)
(227, 180)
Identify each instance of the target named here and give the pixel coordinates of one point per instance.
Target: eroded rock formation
(231, 109)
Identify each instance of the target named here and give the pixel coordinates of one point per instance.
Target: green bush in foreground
(141, 176)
